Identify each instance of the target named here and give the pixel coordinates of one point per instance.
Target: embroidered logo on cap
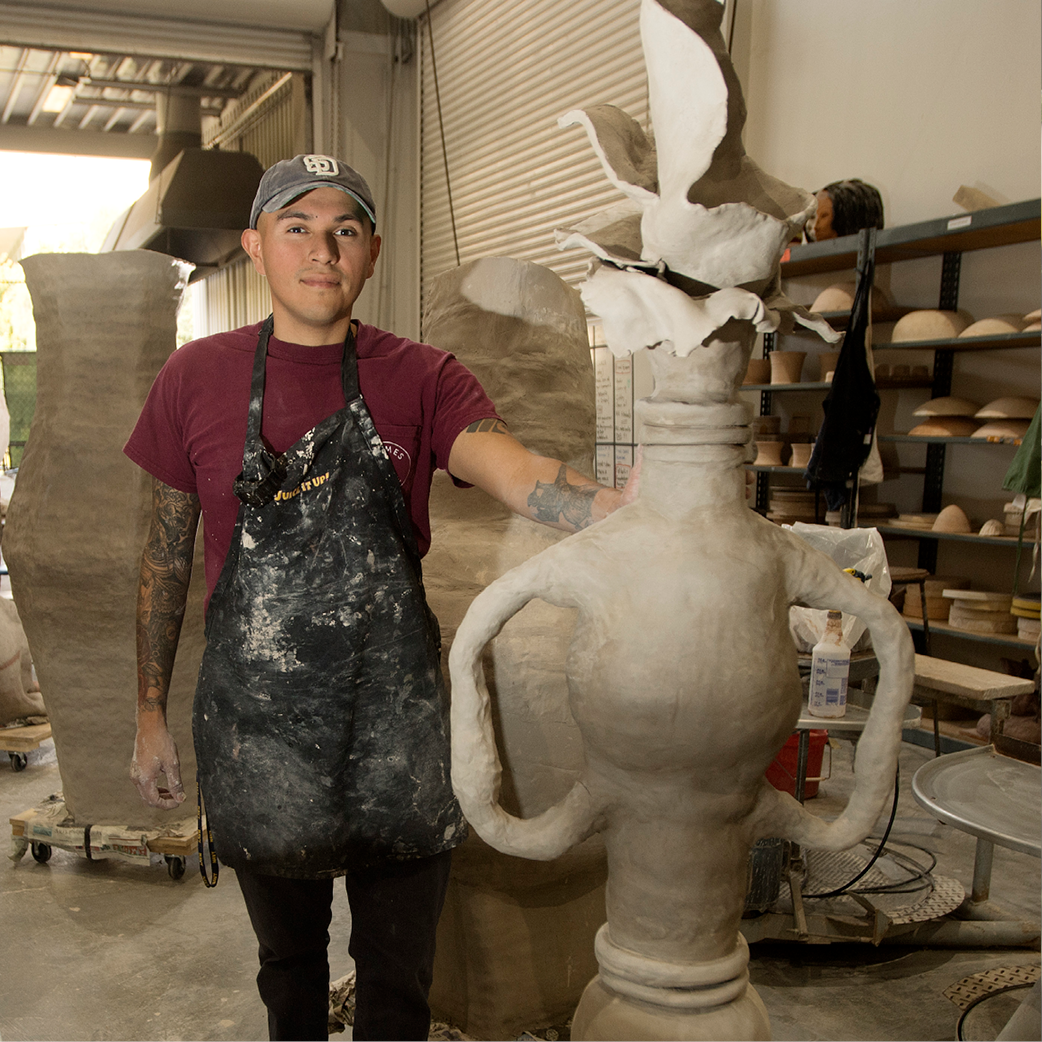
(324, 166)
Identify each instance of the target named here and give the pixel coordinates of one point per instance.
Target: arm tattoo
(489, 426)
(166, 569)
(562, 501)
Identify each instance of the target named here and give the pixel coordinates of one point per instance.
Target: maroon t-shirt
(192, 430)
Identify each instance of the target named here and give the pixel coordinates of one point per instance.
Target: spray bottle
(830, 665)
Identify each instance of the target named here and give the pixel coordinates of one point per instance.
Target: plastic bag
(860, 548)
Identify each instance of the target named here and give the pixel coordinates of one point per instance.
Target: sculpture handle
(476, 768)
(875, 763)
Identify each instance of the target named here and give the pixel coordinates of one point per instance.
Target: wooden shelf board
(917, 533)
(1007, 639)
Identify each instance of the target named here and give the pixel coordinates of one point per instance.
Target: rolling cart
(18, 741)
(40, 829)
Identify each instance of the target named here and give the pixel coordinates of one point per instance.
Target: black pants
(395, 906)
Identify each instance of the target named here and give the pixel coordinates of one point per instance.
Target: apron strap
(263, 472)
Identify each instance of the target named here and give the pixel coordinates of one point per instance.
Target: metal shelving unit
(949, 238)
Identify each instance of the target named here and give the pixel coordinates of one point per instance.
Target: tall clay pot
(515, 942)
(683, 681)
(78, 518)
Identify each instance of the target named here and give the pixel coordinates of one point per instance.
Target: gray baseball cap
(290, 178)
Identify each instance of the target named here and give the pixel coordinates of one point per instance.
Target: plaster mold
(79, 516)
(682, 673)
(515, 941)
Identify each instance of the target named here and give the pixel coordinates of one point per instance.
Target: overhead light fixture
(58, 97)
(406, 8)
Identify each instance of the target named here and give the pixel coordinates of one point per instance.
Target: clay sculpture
(105, 324)
(681, 671)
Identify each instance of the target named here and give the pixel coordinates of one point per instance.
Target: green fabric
(1025, 472)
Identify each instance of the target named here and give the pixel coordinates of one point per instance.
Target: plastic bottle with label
(830, 666)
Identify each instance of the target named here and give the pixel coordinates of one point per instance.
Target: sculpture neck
(693, 454)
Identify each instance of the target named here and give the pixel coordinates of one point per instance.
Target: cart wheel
(41, 852)
(19, 761)
(175, 866)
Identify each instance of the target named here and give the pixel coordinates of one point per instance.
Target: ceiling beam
(78, 142)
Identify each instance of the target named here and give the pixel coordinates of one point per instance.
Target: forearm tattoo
(490, 426)
(166, 569)
(562, 501)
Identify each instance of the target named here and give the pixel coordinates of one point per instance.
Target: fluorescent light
(58, 97)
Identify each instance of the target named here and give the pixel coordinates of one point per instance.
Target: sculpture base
(607, 1015)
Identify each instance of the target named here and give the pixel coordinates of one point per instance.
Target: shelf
(899, 531)
(996, 226)
(998, 342)
(1007, 639)
(923, 439)
(809, 386)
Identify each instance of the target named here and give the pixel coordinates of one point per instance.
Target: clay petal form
(1010, 408)
(639, 311)
(992, 527)
(930, 325)
(619, 142)
(1033, 316)
(947, 407)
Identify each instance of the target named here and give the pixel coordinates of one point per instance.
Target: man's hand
(155, 754)
(537, 487)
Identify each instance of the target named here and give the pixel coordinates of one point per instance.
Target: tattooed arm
(166, 568)
(487, 455)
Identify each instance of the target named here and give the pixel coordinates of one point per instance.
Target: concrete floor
(103, 950)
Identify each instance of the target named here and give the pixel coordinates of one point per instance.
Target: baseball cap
(290, 178)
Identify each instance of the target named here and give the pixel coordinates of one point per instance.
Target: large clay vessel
(515, 942)
(683, 680)
(79, 516)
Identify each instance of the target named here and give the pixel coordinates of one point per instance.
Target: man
(307, 444)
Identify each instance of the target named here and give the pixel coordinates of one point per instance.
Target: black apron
(320, 716)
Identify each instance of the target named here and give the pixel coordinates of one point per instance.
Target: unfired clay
(945, 427)
(105, 323)
(515, 940)
(948, 406)
(952, 519)
(930, 325)
(758, 371)
(1015, 407)
(19, 692)
(787, 366)
(1002, 430)
(996, 325)
(681, 671)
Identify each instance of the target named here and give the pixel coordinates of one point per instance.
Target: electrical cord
(875, 857)
(981, 998)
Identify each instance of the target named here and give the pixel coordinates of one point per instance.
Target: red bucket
(782, 773)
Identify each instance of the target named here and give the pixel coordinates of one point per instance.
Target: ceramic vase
(79, 515)
(683, 681)
(515, 942)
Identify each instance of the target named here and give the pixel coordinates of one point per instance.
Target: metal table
(990, 796)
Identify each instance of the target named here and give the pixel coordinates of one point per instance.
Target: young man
(307, 444)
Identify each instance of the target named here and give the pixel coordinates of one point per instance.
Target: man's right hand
(155, 754)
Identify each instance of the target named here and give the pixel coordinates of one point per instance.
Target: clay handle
(476, 769)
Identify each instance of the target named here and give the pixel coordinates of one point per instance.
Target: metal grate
(966, 991)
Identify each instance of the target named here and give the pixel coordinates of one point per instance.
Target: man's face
(316, 254)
